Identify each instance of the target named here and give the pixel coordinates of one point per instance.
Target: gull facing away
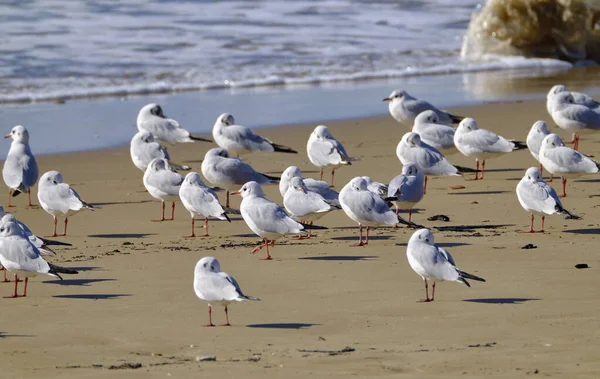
(20, 171)
(578, 98)
(318, 186)
(434, 133)
(431, 262)
(575, 118)
(304, 205)
(367, 208)
(537, 197)
(324, 150)
(225, 172)
(482, 144)
(407, 189)
(20, 257)
(265, 218)
(152, 119)
(200, 200)
(163, 184)
(536, 135)
(58, 198)
(405, 108)
(41, 243)
(565, 162)
(216, 287)
(144, 149)
(238, 139)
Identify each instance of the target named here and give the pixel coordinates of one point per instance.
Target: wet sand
(133, 304)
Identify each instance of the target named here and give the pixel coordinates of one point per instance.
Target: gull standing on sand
(536, 135)
(144, 149)
(317, 186)
(434, 133)
(216, 287)
(405, 108)
(563, 161)
(367, 208)
(572, 117)
(578, 98)
(431, 262)
(41, 243)
(225, 172)
(200, 200)
(408, 188)
(163, 184)
(58, 198)
(19, 256)
(20, 171)
(238, 139)
(537, 197)
(265, 218)
(482, 144)
(324, 150)
(152, 119)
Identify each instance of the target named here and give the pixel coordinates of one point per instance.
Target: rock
(206, 358)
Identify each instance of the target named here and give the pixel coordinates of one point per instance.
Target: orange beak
(7, 136)
(387, 99)
(236, 193)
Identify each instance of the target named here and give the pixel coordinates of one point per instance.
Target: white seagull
(265, 218)
(216, 287)
(563, 161)
(324, 150)
(572, 117)
(408, 188)
(152, 119)
(319, 186)
(19, 256)
(238, 139)
(405, 108)
(434, 133)
(367, 208)
(578, 98)
(163, 184)
(20, 171)
(431, 262)
(200, 200)
(58, 198)
(144, 149)
(536, 135)
(40, 243)
(537, 197)
(225, 172)
(482, 144)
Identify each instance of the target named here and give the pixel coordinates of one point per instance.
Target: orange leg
(332, 176)
(482, 171)
(15, 293)
(193, 231)
(321, 177)
(259, 247)
(29, 196)
(227, 202)
(54, 232)
(9, 196)
(66, 222)
(226, 318)
(162, 218)
(25, 288)
(425, 186)
(209, 317)
(360, 236)
(206, 229)
(576, 142)
(5, 279)
(564, 186)
(427, 299)
(172, 212)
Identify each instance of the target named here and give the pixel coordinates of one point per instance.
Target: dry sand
(133, 301)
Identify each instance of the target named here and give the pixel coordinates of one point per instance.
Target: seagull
(407, 189)
(152, 119)
(432, 262)
(40, 243)
(324, 150)
(578, 98)
(411, 149)
(304, 205)
(144, 149)
(20, 171)
(405, 108)
(19, 256)
(433, 132)
(482, 144)
(163, 184)
(265, 218)
(238, 139)
(318, 186)
(367, 208)
(377, 188)
(57, 197)
(216, 287)
(537, 197)
(536, 135)
(225, 172)
(200, 200)
(563, 161)
(576, 118)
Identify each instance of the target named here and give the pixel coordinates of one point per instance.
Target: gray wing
(300, 204)
(12, 172)
(204, 199)
(215, 287)
(166, 180)
(570, 160)
(538, 196)
(246, 137)
(22, 254)
(486, 141)
(371, 207)
(443, 135)
(327, 152)
(396, 185)
(270, 217)
(240, 172)
(30, 169)
(582, 114)
(165, 129)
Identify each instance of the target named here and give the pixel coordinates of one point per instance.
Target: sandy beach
(327, 309)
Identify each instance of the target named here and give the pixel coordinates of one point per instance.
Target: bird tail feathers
(463, 275)
(56, 270)
(283, 149)
(196, 138)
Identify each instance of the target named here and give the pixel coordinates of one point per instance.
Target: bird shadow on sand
(88, 268)
(121, 203)
(440, 244)
(478, 193)
(587, 181)
(78, 282)
(505, 170)
(6, 335)
(121, 235)
(342, 258)
(282, 325)
(93, 296)
(352, 238)
(501, 300)
(244, 236)
(583, 231)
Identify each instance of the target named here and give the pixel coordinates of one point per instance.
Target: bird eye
(212, 267)
(55, 182)
(553, 144)
(426, 239)
(1, 229)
